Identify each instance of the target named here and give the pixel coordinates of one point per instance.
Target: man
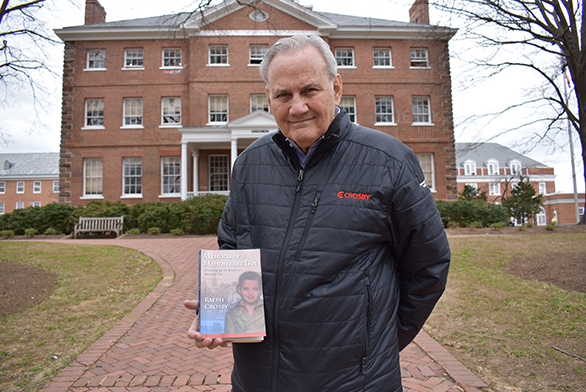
(354, 254)
(248, 314)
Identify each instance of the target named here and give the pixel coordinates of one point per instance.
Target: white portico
(235, 135)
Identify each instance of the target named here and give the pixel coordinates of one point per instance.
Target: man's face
(301, 96)
(249, 291)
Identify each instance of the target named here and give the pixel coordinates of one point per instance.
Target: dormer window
(515, 166)
(469, 168)
(492, 165)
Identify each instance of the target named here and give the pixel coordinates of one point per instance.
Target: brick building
(28, 180)
(495, 169)
(159, 108)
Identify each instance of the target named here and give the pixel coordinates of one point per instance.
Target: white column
(234, 153)
(195, 172)
(184, 157)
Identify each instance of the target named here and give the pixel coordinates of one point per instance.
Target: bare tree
(23, 61)
(545, 37)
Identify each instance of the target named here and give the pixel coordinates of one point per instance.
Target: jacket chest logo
(352, 195)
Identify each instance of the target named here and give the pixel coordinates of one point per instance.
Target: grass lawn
(93, 288)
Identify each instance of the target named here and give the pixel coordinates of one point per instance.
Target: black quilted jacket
(354, 258)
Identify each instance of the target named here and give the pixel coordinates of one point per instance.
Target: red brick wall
(10, 197)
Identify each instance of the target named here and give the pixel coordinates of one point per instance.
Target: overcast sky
(37, 129)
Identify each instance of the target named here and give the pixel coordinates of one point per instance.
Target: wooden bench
(102, 225)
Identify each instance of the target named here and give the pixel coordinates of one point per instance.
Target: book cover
(231, 304)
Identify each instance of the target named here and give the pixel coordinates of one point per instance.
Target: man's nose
(298, 106)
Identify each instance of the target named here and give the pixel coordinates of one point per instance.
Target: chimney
(419, 12)
(94, 12)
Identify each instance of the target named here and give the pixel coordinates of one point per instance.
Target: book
(231, 304)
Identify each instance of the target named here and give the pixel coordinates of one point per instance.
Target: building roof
(185, 23)
(482, 152)
(29, 165)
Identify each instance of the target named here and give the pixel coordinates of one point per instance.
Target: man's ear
(338, 89)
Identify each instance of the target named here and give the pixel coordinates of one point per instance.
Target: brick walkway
(148, 350)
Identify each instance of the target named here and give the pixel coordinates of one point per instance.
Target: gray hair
(298, 42)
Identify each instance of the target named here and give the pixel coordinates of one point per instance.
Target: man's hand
(193, 332)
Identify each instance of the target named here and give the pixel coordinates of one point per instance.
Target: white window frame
(421, 110)
(348, 103)
(492, 167)
(472, 184)
(259, 102)
(19, 205)
(19, 187)
(172, 58)
(515, 167)
(171, 176)
(382, 55)
(2, 187)
(93, 178)
(218, 56)
(541, 217)
(2, 208)
(345, 58)
(256, 53)
(419, 58)
(542, 188)
(56, 187)
(37, 186)
(382, 116)
(469, 168)
(96, 60)
(35, 203)
(134, 59)
(94, 113)
(219, 173)
(132, 116)
(171, 112)
(213, 103)
(494, 189)
(426, 161)
(132, 177)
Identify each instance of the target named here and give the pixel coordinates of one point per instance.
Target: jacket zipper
(279, 288)
(367, 325)
(307, 225)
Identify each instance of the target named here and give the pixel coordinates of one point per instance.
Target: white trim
(382, 124)
(95, 127)
(94, 69)
(132, 127)
(383, 67)
(133, 69)
(422, 124)
(92, 197)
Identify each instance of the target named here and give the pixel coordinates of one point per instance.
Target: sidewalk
(148, 350)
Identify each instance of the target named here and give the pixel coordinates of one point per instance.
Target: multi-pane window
(421, 112)
(469, 168)
(93, 175)
(132, 176)
(55, 186)
(20, 187)
(257, 53)
(218, 108)
(36, 186)
(383, 109)
(19, 205)
(96, 59)
(1, 208)
(345, 57)
(426, 162)
(133, 58)
(171, 175)
(36, 204)
(349, 105)
(218, 173)
(2, 187)
(493, 168)
(171, 111)
(494, 189)
(541, 217)
(382, 57)
(218, 54)
(259, 102)
(419, 58)
(515, 167)
(94, 113)
(171, 58)
(472, 184)
(542, 188)
(132, 111)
